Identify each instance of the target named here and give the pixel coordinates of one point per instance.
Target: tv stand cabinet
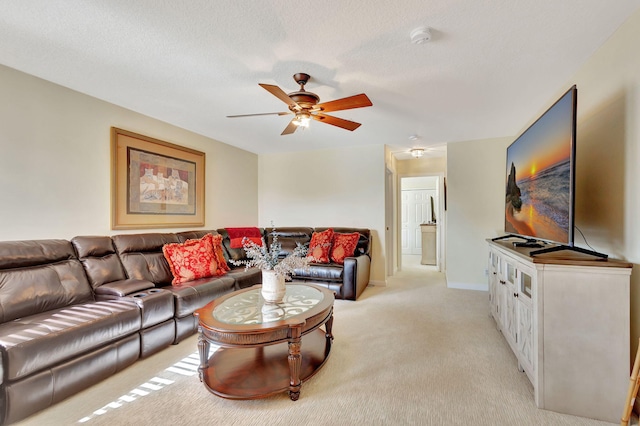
(567, 320)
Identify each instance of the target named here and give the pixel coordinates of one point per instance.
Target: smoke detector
(420, 35)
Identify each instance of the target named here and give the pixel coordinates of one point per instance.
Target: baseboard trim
(377, 283)
(467, 286)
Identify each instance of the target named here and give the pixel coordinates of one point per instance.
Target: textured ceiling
(490, 67)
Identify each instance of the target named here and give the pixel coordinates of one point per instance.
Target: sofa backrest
(142, 257)
(289, 237)
(233, 253)
(194, 235)
(364, 242)
(38, 276)
(100, 260)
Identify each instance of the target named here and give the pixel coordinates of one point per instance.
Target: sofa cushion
(142, 257)
(193, 295)
(320, 246)
(37, 276)
(123, 288)
(40, 341)
(328, 272)
(245, 277)
(343, 245)
(192, 260)
(99, 258)
(289, 238)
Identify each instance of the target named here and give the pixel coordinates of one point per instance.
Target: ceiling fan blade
(356, 101)
(280, 94)
(335, 121)
(263, 113)
(290, 128)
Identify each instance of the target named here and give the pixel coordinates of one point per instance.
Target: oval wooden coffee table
(265, 349)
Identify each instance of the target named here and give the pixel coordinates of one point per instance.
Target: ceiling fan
(305, 106)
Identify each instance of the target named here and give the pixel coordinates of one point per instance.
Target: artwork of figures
(156, 188)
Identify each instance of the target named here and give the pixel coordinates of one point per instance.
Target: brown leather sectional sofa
(75, 312)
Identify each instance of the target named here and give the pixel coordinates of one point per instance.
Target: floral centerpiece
(275, 269)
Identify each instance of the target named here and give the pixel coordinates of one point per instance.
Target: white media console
(566, 317)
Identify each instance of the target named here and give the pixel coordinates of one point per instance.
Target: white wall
(55, 163)
(341, 187)
(475, 208)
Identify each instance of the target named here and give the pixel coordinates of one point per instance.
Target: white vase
(273, 287)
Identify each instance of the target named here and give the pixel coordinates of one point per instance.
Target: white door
(416, 209)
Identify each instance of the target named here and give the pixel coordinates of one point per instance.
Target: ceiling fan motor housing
(305, 99)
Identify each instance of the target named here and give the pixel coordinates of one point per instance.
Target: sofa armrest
(356, 276)
(123, 288)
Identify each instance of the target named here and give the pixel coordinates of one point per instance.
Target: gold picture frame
(155, 184)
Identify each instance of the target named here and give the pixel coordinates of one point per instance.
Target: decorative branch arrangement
(268, 258)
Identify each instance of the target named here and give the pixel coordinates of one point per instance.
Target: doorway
(421, 220)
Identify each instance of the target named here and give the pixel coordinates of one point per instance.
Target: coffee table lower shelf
(252, 373)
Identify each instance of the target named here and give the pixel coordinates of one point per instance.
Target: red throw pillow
(191, 260)
(344, 245)
(216, 240)
(319, 246)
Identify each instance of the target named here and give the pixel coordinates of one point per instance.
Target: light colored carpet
(411, 353)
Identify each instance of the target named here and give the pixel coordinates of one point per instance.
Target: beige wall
(55, 163)
(608, 154)
(340, 187)
(607, 172)
(422, 166)
(475, 200)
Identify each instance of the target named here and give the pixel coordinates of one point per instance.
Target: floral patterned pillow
(216, 240)
(344, 245)
(319, 246)
(192, 259)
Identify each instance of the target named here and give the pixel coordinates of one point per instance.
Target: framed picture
(155, 184)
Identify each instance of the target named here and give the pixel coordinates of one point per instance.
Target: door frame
(442, 218)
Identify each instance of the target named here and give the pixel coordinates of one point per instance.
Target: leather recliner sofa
(75, 312)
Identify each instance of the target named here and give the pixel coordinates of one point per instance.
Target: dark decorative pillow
(319, 246)
(344, 245)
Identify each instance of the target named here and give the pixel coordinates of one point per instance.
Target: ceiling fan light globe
(302, 120)
(417, 152)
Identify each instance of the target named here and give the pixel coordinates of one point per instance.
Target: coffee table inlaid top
(246, 311)
(250, 308)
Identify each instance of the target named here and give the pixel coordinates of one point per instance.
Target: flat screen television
(540, 176)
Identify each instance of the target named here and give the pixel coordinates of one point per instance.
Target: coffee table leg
(329, 327)
(203, 349)
(295, 361)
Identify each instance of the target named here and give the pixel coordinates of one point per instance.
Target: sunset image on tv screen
(538, 190)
